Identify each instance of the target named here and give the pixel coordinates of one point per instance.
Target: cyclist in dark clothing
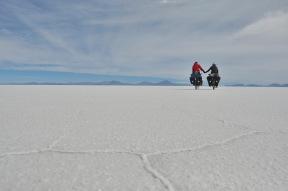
(213, 75)
(213, 69)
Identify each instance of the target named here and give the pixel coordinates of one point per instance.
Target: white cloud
(272, 27)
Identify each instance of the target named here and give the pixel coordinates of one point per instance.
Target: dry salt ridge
(120, 138)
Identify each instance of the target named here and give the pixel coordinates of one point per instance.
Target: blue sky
(248, 40)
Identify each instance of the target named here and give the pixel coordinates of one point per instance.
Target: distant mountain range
(257, 85)
(50, 77)
(143, 83)
(16, 77)
(160, 83)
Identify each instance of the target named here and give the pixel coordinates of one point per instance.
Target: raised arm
(201, 69)
(208, 70)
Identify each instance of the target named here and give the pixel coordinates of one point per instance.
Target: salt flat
(143, 138)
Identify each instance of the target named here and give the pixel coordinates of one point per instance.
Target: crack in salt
(49, 150)
(203, 147)
(143, 157)
(154, 173)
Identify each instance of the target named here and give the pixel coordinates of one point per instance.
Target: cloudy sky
(247, 39)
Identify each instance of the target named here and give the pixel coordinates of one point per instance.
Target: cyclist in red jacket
(196, 78)
(196, 68)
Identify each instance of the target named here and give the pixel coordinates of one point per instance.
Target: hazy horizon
(46, 77)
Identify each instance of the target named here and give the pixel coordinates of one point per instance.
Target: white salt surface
(65, 138)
